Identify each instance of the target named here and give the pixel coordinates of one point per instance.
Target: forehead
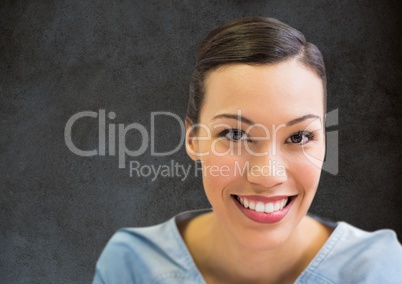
(276, 91)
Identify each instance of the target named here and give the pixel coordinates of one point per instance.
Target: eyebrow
(250, 122)
(302, 118)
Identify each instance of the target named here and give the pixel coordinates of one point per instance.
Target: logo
(112, 142)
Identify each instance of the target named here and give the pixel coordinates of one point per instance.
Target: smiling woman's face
(261, 144)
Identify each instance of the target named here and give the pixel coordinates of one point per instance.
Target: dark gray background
(61, 57)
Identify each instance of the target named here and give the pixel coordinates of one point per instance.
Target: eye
(301, 138)
(234, 135)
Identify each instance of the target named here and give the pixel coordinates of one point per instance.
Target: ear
(191, 143)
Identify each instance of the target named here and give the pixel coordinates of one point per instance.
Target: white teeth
(269, 207)
(260, 207)
(245, 202)
(263, 207)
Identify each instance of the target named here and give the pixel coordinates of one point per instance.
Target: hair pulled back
(255, 40)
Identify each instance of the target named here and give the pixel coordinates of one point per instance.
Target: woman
(255, 120)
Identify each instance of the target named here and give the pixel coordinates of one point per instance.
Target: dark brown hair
(256, 40)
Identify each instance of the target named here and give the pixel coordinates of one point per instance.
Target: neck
(222, 258)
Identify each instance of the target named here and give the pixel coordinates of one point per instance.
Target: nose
(267, 171)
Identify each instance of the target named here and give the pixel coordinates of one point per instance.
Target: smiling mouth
(263, 207)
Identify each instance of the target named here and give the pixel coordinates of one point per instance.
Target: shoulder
(154, 254)
(352, 255)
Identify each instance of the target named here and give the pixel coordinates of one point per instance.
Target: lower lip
(266, 218)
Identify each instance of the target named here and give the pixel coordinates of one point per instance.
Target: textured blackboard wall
(134, 57)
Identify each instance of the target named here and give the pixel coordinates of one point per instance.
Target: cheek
(307, 175)
(219, 163)
(307, 164)
(220, 173)
(218, 170)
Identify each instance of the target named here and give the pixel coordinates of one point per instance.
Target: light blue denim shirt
(158, 254)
